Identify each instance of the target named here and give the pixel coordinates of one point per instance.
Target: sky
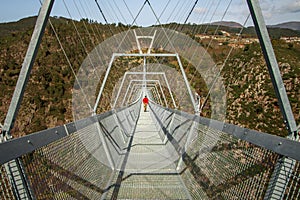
(275, 11)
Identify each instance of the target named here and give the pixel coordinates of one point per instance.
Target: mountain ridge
(231, 24)
(28, 22)
(293, 25)
(48, 97)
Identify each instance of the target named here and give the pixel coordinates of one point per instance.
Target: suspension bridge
(168, 152)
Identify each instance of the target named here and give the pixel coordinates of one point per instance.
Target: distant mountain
(289, 25)
(293, 25)
(288, 29)
(228, 24)
(49, 91)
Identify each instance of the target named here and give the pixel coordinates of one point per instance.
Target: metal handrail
(17, 147)
(277, 144)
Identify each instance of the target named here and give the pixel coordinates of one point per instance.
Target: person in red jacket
(145, 102)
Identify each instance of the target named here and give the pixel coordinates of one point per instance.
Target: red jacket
(145, 100)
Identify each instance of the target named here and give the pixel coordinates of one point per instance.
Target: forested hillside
(48, 98)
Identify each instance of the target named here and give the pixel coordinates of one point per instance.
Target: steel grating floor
(150, 171)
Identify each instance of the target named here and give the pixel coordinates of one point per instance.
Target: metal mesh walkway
(217, 163)
(149, 173)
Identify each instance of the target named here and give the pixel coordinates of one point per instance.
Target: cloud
(292, 7)
(274, 11)
(200, 10)
(270, 7)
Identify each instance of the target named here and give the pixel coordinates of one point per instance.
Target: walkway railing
(224, 161)
(216, 160)
(74, 161)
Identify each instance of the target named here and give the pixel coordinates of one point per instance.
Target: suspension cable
(215, 32)
(68, 61)
(86, 29)
(96, 27)
(193, 75)
(208, 46)
(190, 13)
(134, 20)
(101, 11)
(91, 25)
(161, 25)
(122, 16)
(103, 16)
(218, 75)
(81, 41)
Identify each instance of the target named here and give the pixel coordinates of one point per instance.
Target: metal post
(103, 83)
(28, 62)
(105, 146)
(127, 90)
(144, 37)
(144, 76)
(144, 92)
(188, 141)
(170, 90)
(163, 121)
(137, 42)
(280, 176)
(189, 137)
(169, 128)
(163, 95)
(151, 44)
(147, 73)
(186, 83)
(136, 91)
(131, 91)
(152, 86)
(158, 95)
(1, 135)
(38, 32)
(272, 64)
(119, 91)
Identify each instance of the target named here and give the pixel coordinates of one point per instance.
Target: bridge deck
(150, 172)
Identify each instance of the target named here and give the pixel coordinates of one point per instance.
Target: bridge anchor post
(14, 168)
(281, 176)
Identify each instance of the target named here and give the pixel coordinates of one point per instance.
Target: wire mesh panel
(65, 169)
(231, 169)
(285, 177)
(219, 165)
(76, 166)
(6, 191)
(215, 164)
(293, 189)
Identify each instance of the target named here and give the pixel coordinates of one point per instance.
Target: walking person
(145, 102)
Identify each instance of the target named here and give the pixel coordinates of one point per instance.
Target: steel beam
(147, 73)
(27, 65)
(273, 68)
(144, 55)
(277, 144)
(38, 32)
(144, 77)
(137, 37)
(187, 84)
(103, 83)
(280, 177)
(150, 86)
(142, 80)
